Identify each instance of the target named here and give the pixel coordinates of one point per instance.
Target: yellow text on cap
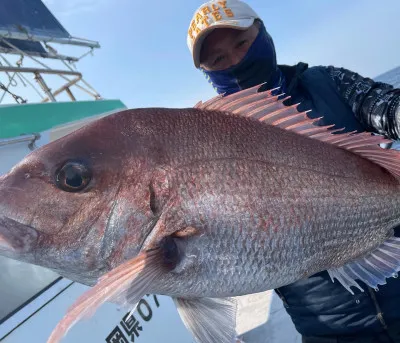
(202, 17)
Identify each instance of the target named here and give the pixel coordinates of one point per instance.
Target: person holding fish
(229, 43)
(240, 194)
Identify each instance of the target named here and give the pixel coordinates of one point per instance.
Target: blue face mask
(258, 66)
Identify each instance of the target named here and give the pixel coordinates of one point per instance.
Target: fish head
(79, 205)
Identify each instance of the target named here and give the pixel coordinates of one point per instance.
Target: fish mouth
(16, 237)
(18, 242)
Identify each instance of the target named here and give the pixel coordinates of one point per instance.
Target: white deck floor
(263, 319)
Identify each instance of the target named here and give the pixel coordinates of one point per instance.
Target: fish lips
(16, 238)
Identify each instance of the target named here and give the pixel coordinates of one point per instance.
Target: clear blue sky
(144, 60)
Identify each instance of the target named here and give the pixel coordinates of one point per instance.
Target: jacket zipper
(378, 309)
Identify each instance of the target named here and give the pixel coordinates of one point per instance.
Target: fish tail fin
(115, 286)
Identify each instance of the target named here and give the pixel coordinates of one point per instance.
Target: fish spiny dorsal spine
(270, 110)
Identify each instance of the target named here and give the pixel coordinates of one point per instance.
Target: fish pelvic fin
(116, 286)
(270, 109)
(372, 269)
(209, 319)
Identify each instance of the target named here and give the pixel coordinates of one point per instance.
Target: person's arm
(376, 105)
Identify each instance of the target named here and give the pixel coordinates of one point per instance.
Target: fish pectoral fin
(209, 319)
(373, 269)
(124, 285)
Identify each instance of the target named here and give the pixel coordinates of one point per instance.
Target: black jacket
(321, 310)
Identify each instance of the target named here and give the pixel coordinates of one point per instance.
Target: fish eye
(73, 177)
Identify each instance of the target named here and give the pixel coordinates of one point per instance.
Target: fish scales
(220, 155)
(202, 205)
(292, 240)
(192, 135)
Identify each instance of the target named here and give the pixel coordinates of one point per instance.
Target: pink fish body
(236, 196)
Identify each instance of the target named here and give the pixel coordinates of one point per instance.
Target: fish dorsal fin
(270, 109)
